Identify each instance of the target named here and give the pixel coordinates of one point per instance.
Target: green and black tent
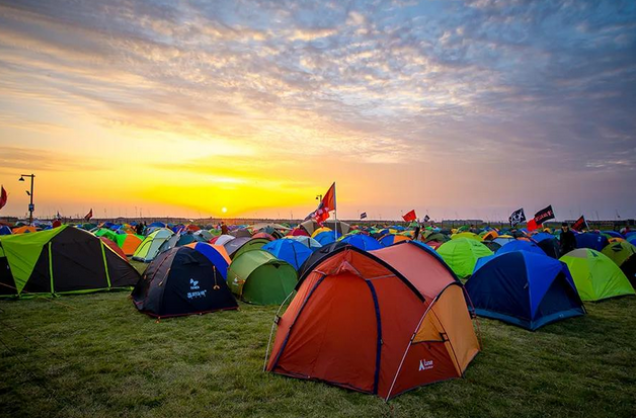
(62, 260)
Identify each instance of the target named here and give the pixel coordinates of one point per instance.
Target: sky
(458, 109)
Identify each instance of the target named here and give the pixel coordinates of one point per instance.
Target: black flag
(517, 217)
(544, 215)
(363, 215)
(427, 218)
(580, 224)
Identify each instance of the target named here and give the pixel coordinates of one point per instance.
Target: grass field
(96, 356)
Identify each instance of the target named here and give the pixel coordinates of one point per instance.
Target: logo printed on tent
(425, 365)
(194, 284)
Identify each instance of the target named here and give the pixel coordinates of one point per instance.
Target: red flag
(409, 216)
(532, 225)
(3, 197)
(89, 215)
(327, 204)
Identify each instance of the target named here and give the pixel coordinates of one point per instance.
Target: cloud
(536, 86)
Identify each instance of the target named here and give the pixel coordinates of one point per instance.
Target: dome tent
(63, 260)
(258, 277)
(289, 250)
(523, 288)
(151, 245)
(344, 326)
(596, 276)
(461, 255)
(624, 255)
(182, 281)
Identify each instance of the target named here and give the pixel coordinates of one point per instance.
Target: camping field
(96, 356)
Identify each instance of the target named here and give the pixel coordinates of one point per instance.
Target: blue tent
(548, 243)
(541, 236)
(524, 289)
(632, 239)
(5, 230)
(289, 250)
(326, 237)
(613, 234)
(520, 245)
(362, 242)
(503, 240)
(157, 225)
(212, 254)
(592, 241)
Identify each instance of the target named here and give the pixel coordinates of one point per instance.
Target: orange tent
(380, 322)
(129, 243)
(24, 229)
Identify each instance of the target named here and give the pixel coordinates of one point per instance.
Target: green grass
(96, 356)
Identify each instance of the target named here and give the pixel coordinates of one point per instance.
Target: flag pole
(335, 213)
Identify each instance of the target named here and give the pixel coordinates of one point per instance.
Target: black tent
(61, 260)
(182, 281)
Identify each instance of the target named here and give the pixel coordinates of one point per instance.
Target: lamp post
(31, 206)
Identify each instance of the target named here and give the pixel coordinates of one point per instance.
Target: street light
(30, 193)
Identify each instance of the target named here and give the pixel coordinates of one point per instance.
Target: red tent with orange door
(381, 322)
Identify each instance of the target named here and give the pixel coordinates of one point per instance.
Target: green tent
(619, 252)
(596, 276)
(58, 261)
(461, 255)
(258, 277)
(150, 246)
(107, 233)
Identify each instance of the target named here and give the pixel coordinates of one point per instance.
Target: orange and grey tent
(380, 322)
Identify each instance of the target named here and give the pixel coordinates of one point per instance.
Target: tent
(241, 233)
(215, 253)
(24, 230)
(461, 255)
(114, 247)
(289, 250)
(222, 239)
(150, 246)
(240, 245)
(523, 288)
(624, 255)
(258, 277)
(492, 246)
(182, 281)
(548, 243)
(61, 260)
(596, 276)
(128, 243)
(310, 226)
(310, 243)
(202, 235)
(468, 235)
(591, 240)
(320, 230)
(298, 232)
(364, 242)
(5, 230)
(521, 246)
(318, 255)
(264, 235)
(489, 235)
(391, 239)
(380, 322)
(326, 237)
(503, 240)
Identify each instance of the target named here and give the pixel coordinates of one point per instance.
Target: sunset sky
(455, 108)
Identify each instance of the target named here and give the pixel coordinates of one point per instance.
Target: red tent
(298, 232)
(380, 322)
